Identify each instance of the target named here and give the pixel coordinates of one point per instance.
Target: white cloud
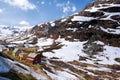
(67, 7)
(24, 23)
(1, 10)
(74, 9)
(42, 2)
(22, 4)
(60, 4)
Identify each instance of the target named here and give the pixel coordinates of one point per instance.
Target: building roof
(32, 55)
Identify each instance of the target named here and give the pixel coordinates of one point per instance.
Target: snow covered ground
(69, 52)
(112, 31)
(110, 53)
(72, 50)
(6, 65)
(61, 75)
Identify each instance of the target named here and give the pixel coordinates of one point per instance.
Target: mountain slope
(98, 27)
(83, 46)
(100, 22)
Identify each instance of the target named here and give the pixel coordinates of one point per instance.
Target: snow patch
(73, 29)
(108, 55)
(82, 18)
(63, 20)
(99, 69)
(44, 42)
(98, 42)
(73, 49)
(112, 31)
(52, 24)
(61, 75)
(20, 42)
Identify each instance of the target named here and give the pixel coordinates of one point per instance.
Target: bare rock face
(105, 2)
(111, 9)
(103, 27)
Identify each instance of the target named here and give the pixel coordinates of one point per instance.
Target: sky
(33, 12)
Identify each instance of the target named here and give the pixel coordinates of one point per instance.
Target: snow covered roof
(32, 55)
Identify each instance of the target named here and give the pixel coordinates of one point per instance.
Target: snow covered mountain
(10, 31)
(84, 46)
